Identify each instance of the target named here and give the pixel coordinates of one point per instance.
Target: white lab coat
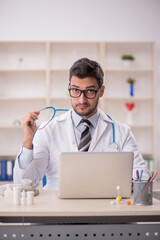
(58, 136)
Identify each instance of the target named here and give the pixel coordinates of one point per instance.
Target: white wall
(83, 20)
(80, 20)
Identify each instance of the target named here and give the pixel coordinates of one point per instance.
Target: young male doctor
(67, 133)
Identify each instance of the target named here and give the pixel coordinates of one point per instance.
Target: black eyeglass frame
(84, 92)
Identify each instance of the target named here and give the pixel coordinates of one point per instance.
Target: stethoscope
(112, 145)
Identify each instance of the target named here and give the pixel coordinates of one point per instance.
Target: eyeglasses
(89, 93)
(47, 116)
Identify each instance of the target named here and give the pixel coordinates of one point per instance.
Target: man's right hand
(29, 128)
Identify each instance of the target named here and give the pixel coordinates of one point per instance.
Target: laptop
(95, 174)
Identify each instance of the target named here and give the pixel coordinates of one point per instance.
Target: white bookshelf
(117, 93)
(35, 74)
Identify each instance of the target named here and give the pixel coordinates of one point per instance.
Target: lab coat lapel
(99, 131)
(72, 139)
(65, 123)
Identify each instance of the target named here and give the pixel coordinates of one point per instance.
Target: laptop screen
(95, 174)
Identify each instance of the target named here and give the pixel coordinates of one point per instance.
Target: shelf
(8, 127)
(63, 55)
(5, 182)
(22, 98)
(129, 70)
(22, 55)
(147, 154)
(22, 70)
(60, 98)
(8, 154)
(59, 70)
(127, 99)
(141, 126)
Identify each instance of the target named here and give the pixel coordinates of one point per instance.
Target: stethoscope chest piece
(114, 146)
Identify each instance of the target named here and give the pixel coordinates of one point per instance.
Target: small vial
(30, 197)
(16, 195)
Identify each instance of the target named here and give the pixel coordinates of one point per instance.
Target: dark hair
(85, 67)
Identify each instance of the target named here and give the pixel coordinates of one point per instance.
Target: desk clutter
(143, 190)
(141, 194)
(119, 199)
(19, 194)
(6, 169)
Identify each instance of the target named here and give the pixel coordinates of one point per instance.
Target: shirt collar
(77, 118)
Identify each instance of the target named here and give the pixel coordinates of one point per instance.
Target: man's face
(82, 105)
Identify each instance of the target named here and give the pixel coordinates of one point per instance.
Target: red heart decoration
(130, 106)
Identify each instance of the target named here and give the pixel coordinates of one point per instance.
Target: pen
(153, 177)
(140, 176)
(146, 183)
(137, 172)
(148, 179)
(149, 183)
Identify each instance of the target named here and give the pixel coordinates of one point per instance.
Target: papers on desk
(6, 169)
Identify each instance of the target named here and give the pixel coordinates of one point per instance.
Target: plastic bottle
(8, 195)
(16, 195)
(30, 197)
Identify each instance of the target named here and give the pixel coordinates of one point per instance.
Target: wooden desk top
(47, 204)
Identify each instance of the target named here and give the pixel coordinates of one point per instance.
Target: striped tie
(85, 137)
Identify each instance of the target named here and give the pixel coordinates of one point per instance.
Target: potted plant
(127, 59)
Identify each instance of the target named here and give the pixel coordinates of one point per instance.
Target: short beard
(88, 113)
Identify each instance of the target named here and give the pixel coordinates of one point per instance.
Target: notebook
(95, 174)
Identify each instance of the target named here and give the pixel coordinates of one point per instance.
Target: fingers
(30, 118)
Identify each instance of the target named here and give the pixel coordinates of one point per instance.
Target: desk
(53, 218)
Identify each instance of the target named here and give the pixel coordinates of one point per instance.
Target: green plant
(127, 57)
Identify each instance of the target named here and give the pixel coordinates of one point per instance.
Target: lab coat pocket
(110, 148)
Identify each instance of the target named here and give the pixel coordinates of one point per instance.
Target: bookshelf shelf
(129, 99)
(129, 70)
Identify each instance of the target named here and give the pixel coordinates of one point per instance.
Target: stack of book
(6, 169)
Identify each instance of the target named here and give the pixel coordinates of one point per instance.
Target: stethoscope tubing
(56, 110)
